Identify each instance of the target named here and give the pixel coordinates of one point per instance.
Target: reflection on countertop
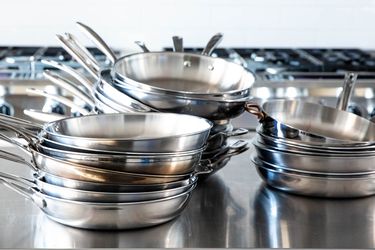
(284, 220)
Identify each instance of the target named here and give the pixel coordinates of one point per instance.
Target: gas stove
(307, 73)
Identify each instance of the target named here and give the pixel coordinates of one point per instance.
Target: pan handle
(78, 56)
(347, 91)
(83, 80)
(255, 109)
(212, 44)
(28, 193)
(178, 44)
(17, 179)
(58, 98)
(21, 122)
(236, 148)
(89, 57)
(98, 41)
(207, 166)
(16, 158)
(143, 46)
(21, 132)
(236, 132)
(69, 86)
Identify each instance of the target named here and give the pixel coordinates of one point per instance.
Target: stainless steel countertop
(231, 209)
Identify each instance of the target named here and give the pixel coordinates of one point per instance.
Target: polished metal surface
(132, 132)
(189, 75)
(316, 184)
(135, 163)
(212, 44)
(333, 164)
(307, 122)
(347, 91)
(231, 209)
(210, 109)
(98, 41)
(40, 184)
(103, 215)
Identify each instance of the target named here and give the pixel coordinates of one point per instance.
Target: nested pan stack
(170, 82)
(110, 171)
(306, 148)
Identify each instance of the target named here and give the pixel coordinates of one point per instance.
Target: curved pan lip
(314, 175)
(53, 133)
(116, 75)
(41, 179)
(348, 154)
(313, 155)
(176, 96)
(106, 153)
(315, 134)
(177, 183)
(104, 171)
(351, 148)
(105, 204)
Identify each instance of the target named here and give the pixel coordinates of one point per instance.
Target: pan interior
(129, 126)
(321, 120)
(186, 72)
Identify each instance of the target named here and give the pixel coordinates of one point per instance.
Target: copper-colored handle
(255, 109)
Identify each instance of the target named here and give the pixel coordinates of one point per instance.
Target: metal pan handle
(255, 109)
(347, 91)
(143, 46)
(58, 98)
(21, 122)
(78, 56)
(89, 57)
(203, 168)
(69, 86)
(178, 44)
(236, 132)
(98, 41)
(28, 193)
(16, 158)
(236, 148)
(20, 131)
(17, 179)
(72, 72)
(212, 44)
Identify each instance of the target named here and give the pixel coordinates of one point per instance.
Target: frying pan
(106, 216)
(184, 74)
(128, 132)
(74, 171)
(315, 184)
(131, 132)
(285, 145)
(333, 164)
(207, 108)
(40, 184)
(168, 164)
(196, 76)
(311, 122)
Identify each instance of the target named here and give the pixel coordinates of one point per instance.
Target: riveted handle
(255, 109)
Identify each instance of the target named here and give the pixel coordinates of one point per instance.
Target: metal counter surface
(231, 209)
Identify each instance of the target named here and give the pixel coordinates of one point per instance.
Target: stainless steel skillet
(312, 123)
(40, 184)
(106, 216)
(62, 168)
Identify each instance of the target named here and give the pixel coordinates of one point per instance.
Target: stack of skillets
(174, 82)
(110, 171)
(310, 149)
